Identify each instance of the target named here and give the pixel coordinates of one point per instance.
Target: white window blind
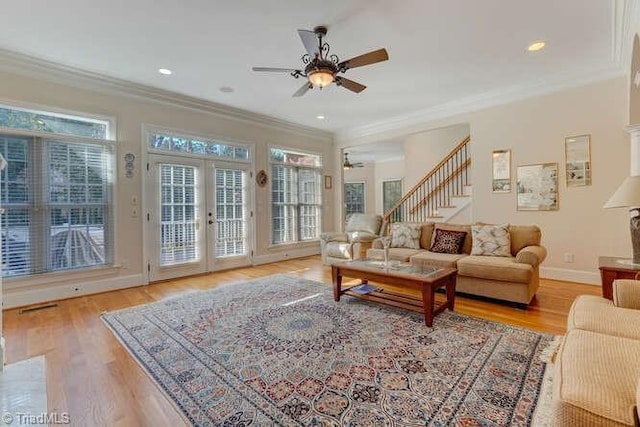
(296, 196)
(231, 207)
(57, 200)
(179, 214)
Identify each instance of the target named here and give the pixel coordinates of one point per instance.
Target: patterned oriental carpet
(279, 351)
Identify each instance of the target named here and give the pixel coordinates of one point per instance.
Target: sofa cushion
(597, 314)
(436, 259)
(448, 241)
(364, 222)
(338, 250)
(495, 268)
(405, 235)
(491, 240)
(395, 254)
(595, 380)
(426, 235)
(466, 247)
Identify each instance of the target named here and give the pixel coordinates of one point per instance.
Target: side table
(612, 268)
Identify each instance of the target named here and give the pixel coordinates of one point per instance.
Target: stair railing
(447, 179)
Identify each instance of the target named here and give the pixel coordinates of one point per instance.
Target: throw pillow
(491, 240)
(448, 241)
(405, 235)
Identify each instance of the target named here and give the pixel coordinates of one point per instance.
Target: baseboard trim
(40, 294)
(567, 275)
(282, 256)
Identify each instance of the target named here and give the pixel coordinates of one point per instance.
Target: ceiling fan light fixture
(321, 77)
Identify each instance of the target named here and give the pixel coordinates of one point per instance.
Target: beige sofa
(597, 368)
(512, 278)
(360, 231)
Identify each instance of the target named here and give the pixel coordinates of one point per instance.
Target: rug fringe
(548, 355)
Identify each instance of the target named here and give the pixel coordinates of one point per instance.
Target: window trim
(103, 270)
(318, 168)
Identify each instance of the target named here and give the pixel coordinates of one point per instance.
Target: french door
(199, 216)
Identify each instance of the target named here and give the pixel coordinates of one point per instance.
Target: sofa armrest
(362, 236)
(626, 293)
(532, 255)
(334, 237)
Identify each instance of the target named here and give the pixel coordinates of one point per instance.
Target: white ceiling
(441, 51)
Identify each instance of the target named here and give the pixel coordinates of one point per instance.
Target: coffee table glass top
(392, 267)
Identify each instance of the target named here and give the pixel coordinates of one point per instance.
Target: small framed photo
(501, 171)
(537, 187)
(328, 184)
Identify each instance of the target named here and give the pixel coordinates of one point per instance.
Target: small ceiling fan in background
(321, 68)
(348, 165)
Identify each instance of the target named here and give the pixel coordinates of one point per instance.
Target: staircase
(441, 194)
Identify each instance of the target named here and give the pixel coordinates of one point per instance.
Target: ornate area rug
(280, 351)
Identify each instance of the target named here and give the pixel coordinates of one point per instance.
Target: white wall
(535, 129)
(424, 150)
(131, 113)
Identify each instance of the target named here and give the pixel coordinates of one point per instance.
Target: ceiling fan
(321, 68)
(348, 165)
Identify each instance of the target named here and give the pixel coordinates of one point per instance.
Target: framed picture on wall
(577, 151)
(501, 162)
(537, 187)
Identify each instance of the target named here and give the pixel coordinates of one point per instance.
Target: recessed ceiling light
(536, 46)
(165, 71)
(226, 89)
(320, 117)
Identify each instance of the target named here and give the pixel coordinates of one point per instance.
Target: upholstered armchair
(359, 233)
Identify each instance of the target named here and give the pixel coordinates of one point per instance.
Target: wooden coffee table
(423, 278)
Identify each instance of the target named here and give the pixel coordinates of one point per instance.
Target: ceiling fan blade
(365, 59)
(350, 84)
(303, 89)
(310, 41)
(275, 70)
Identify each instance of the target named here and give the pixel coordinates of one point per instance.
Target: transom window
(225, 150)
(296, 196)
(56, 193)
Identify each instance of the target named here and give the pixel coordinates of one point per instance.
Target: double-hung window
(296, 199)
(354, 197)
(56, 192)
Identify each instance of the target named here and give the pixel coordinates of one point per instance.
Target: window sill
(303, 244)
(55, 277)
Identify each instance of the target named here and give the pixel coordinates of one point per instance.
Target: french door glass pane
(231, 226)
(179, 214)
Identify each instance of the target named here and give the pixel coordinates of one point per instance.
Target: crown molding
(421, 120)
(20, 64)
(625, 19)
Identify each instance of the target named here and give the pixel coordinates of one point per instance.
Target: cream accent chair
(360, 231)
(597, 368)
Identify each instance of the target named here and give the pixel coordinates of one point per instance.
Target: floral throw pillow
(448, 241)
(491, 240)
(405, 235)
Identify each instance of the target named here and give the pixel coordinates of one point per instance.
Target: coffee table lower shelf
(427, 285)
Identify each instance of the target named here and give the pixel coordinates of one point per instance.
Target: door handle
(210, 221)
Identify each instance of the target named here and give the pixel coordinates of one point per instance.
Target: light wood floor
(93, 378)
